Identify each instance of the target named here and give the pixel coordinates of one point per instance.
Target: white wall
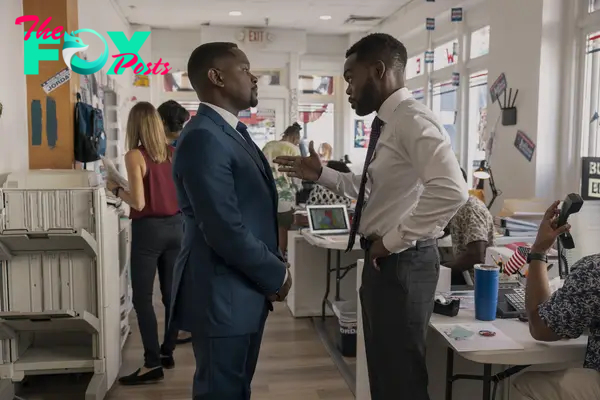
(103, 17)
(14, 138)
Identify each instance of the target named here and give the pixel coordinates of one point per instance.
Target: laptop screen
(328, 218)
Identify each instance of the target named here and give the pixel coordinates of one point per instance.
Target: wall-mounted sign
(430, 24)
(455, 79)
(524, 145)
(456, 14)
(429, 56)
(590, 178)
(256, 36)
(498, 87)
(60, 78)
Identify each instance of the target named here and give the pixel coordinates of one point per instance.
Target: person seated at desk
(472, 231)
(320, 195)
(566, 314)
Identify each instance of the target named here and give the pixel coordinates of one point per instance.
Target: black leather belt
(366, 243)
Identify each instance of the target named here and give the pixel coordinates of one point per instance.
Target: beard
(366, 104)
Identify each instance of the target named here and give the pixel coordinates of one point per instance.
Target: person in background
(566, 314)
(174, 116)
(320, 195)
(286, 187)
(472, 230)
(325, 151)
(156, 234)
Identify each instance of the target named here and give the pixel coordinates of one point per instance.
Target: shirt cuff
(285, 278)
(328, 177)
(394, 243)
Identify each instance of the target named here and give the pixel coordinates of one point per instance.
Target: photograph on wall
(141, 81)
(362, 131)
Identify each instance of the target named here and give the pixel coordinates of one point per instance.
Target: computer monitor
(328, 219)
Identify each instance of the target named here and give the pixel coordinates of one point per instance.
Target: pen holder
(509, 116)
(449, 310)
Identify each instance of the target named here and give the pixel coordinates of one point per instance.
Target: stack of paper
(113, 173)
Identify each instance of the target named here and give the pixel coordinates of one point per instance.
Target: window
(443, 102)
(414, 66)
(419, 95)
(177, 82)
(268, 77)
(591, 100)
(310, 84)
(480, 42)
(477, 119)
(362, 130)
(445, 55)
(318, 123)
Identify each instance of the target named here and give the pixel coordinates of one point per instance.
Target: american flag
(517, 260)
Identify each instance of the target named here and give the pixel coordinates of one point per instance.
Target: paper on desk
(114, 174)
(466, 337)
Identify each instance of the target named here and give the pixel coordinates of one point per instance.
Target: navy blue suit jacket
(229, 260)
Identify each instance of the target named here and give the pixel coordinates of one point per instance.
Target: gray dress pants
(397, 302)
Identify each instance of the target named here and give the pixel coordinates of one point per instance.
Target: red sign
(256, 36)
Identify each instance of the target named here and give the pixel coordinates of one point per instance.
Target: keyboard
(516, 299)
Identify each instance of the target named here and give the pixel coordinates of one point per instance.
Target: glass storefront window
(310, 84)
(445, 55)
(317, 122)
(415, 66)
(480, 42)
(477, 119)
(443, 104)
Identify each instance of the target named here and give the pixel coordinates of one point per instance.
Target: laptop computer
(329, 221)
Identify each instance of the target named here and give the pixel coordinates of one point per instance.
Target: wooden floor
(293, 366)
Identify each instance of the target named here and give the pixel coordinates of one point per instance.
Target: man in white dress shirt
(414, 186)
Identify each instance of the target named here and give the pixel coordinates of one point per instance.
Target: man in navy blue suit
(230, 269)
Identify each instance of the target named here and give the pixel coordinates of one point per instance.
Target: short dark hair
(339, 166)
(174, 115)
(204, 58)
(380, 46)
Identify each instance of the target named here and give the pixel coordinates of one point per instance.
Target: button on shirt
(233, 121)
(415, 184)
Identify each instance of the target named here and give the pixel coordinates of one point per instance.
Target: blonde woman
(156, 234)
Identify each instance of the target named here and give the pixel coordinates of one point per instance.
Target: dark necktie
(243, 130)
(374, 137)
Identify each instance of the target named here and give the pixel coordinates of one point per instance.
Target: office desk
(441, 360)
(338, 246)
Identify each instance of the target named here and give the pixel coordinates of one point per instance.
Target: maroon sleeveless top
(159, 189)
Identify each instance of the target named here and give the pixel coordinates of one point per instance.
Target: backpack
(90, 139)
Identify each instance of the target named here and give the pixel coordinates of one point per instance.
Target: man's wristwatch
(537, 256)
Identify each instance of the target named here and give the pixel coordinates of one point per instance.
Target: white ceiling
(296, 14)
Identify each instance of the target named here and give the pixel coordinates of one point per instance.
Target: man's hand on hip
(377, 250)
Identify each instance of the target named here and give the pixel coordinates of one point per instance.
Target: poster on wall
(362, 132)
(525, 145)
(590, 178)
(141, 81)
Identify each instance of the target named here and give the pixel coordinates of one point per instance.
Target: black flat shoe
(153, 376)
(168, 362)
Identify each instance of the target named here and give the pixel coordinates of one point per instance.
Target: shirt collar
(386, 111)
(226, 115)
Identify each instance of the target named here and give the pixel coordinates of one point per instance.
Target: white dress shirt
(233, 121)
(415, 185)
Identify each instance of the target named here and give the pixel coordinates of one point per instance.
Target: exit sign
(590, 178)
(256, 36)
